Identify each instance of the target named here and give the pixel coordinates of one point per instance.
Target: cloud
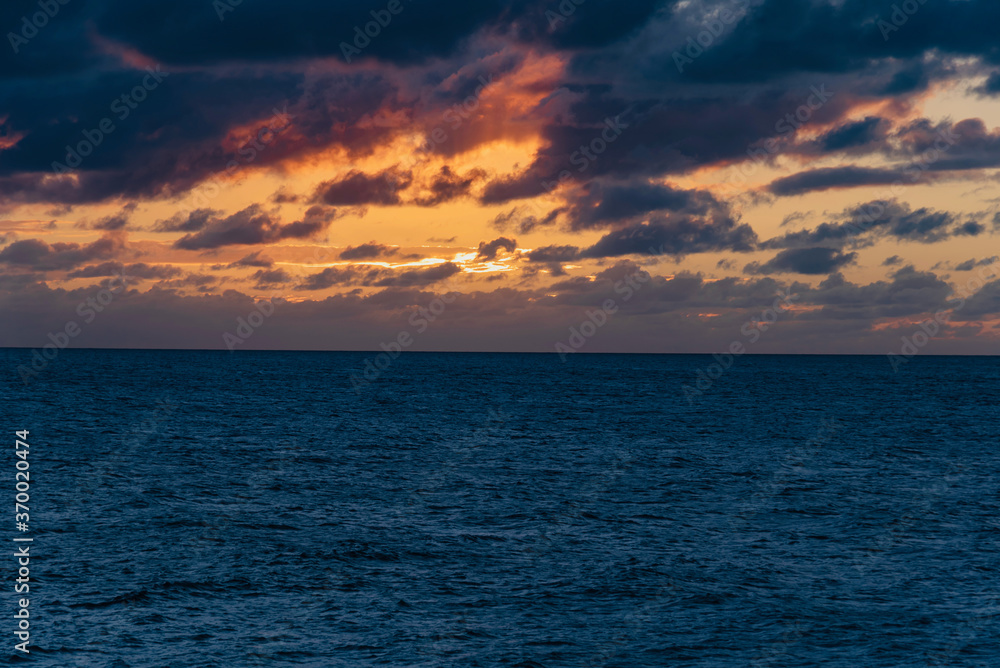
(589, 113)
(675, 236)
(358, 188)
(793, 218)
(255, 259)
(266, 278)
(330, 277)
(447, 186)
(983, 304)
(599, 204)
(803, 261)
(554, 254)
(489, 250)
(969, 265)
(856, 134)
(419, 277)
(864, 224)
(253, 226)
(379, 276)
(991, 87)
(114, 222)
(834, 177)
(368, 251)
(38, 255)
(909, 292)
(139, 270)
(187, 222)
(524, 222)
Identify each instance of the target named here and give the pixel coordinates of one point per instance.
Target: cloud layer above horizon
(352, 162)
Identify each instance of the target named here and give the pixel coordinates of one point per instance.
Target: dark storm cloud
(38, 255)
(619, 120)
(775, 38)
(177, 139)
(253, 226)
(803, 261)
(181, 135)
(191, 32)
(610, 136)
(782, 37)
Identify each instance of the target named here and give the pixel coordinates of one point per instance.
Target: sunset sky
(536, 158)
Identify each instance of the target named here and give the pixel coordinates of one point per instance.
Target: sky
(776, 176)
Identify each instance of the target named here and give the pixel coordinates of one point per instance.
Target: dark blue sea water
(251, 509)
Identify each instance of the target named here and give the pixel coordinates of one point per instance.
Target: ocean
(196, 508)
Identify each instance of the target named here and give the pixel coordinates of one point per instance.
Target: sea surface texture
(197, 509)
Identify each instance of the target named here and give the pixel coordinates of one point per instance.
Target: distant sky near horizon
(663, 170)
